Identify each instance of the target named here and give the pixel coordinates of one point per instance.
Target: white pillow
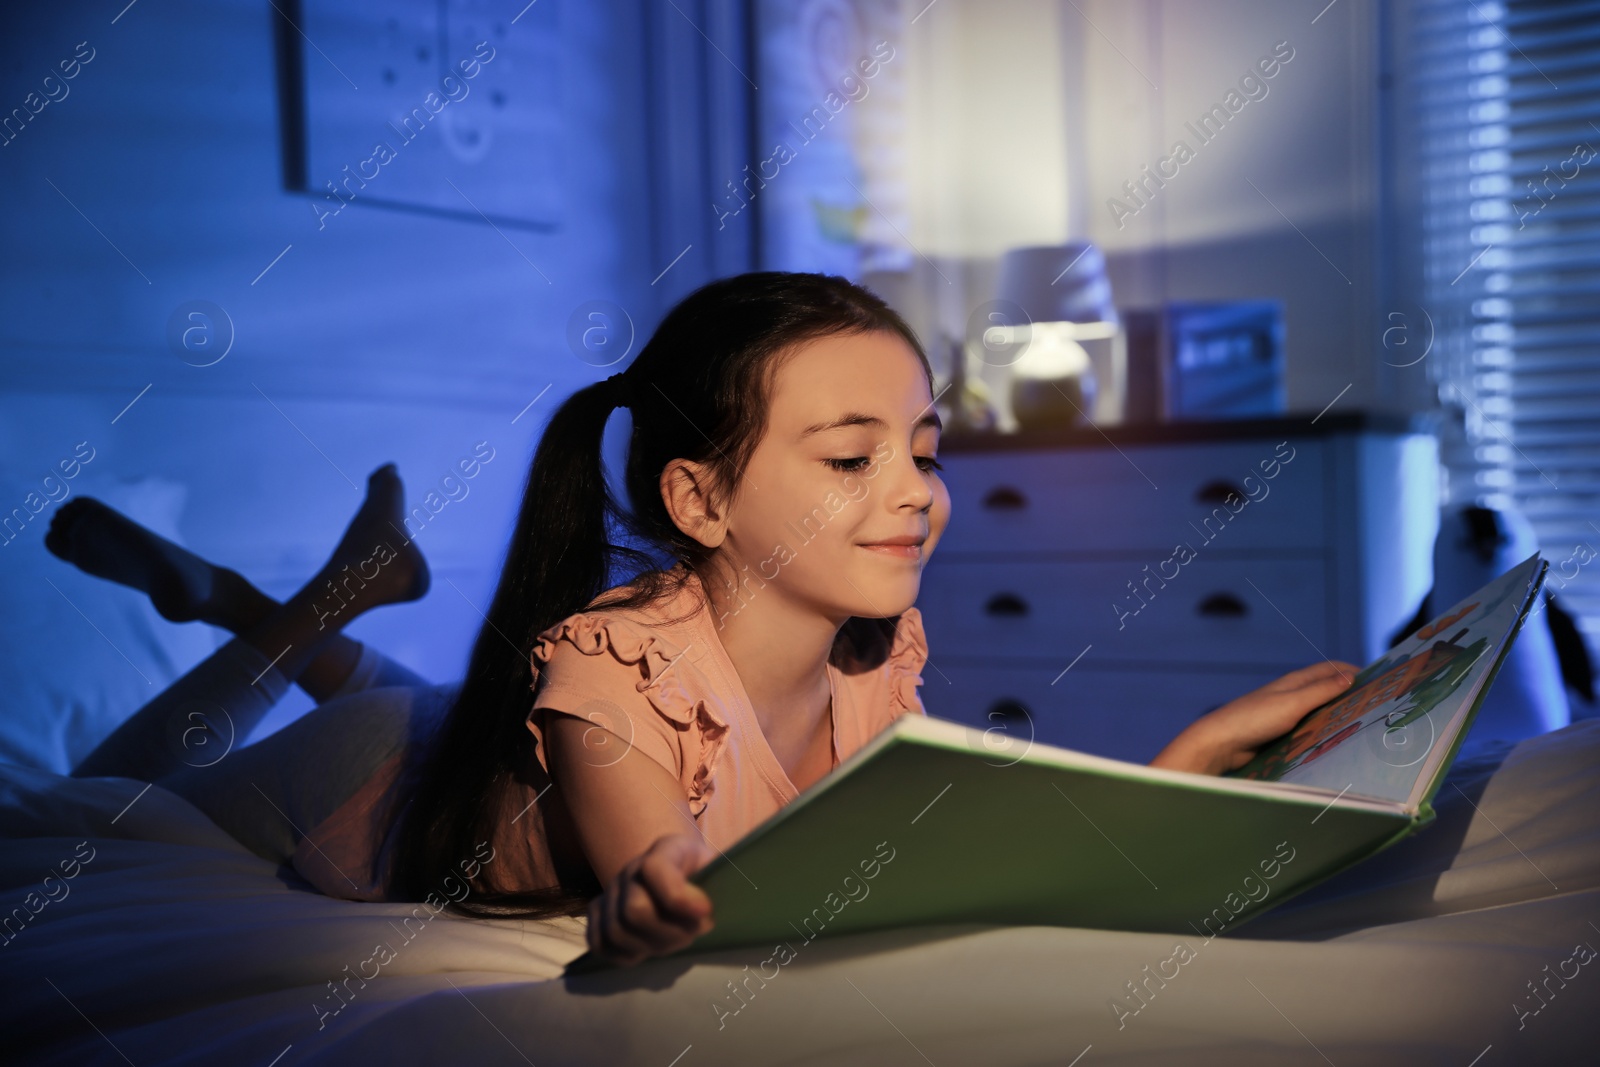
(78, 658)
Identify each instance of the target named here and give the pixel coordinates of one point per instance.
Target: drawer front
(1144, 497)
(1128, 715)
(1210, 611)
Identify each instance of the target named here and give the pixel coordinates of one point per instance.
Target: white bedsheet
(175, 945)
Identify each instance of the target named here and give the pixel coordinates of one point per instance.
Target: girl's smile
(907, 547)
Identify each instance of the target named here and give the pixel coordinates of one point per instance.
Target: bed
(134, 930)
(168, 942)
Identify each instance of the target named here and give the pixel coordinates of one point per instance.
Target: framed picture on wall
(449, 107)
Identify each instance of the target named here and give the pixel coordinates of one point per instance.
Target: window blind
(1501, 127)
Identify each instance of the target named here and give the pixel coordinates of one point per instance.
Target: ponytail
(557, 563)
(560, 552)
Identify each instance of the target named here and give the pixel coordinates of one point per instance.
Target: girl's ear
(686, 490)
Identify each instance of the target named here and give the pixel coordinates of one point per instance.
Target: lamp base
(1052, 403)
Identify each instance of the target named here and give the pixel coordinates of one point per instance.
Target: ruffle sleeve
(907, 655)
(595, 663)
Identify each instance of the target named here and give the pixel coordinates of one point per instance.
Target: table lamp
(1053, 314)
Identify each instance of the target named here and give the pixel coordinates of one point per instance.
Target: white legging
(271, 793)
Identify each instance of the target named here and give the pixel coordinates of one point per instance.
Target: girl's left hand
(1227, 738)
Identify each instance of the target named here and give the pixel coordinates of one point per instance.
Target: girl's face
(841, 503)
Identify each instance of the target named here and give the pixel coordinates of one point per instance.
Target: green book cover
(929, 823)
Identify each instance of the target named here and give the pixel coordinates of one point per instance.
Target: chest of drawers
(1101, 591)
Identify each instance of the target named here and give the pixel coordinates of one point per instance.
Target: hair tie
(620, 391)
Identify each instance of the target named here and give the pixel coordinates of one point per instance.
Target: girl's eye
(857, 463)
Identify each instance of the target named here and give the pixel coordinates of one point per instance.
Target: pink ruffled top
(667, 689)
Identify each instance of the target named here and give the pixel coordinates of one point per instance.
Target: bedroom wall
(386, 335)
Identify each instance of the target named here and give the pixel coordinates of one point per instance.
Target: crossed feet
(183, 587)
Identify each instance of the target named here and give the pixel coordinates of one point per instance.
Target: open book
(935, 822)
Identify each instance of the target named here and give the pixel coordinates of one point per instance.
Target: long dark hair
(698, 390)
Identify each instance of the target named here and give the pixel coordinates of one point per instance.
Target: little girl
(783, 497)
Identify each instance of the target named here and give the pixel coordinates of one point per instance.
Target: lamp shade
(1056, 283)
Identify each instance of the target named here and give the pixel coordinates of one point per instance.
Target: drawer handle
(1218, 492)
(1005, 498)
(1006, 604)
(1008, 710)
(1222, 606)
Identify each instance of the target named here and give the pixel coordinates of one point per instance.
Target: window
(1497, 190)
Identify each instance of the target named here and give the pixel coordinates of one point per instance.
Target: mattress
(136, 930)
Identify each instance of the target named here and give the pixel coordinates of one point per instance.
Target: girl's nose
(907, 482)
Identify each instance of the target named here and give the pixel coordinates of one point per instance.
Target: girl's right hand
(651, 908)
(1226, 738)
